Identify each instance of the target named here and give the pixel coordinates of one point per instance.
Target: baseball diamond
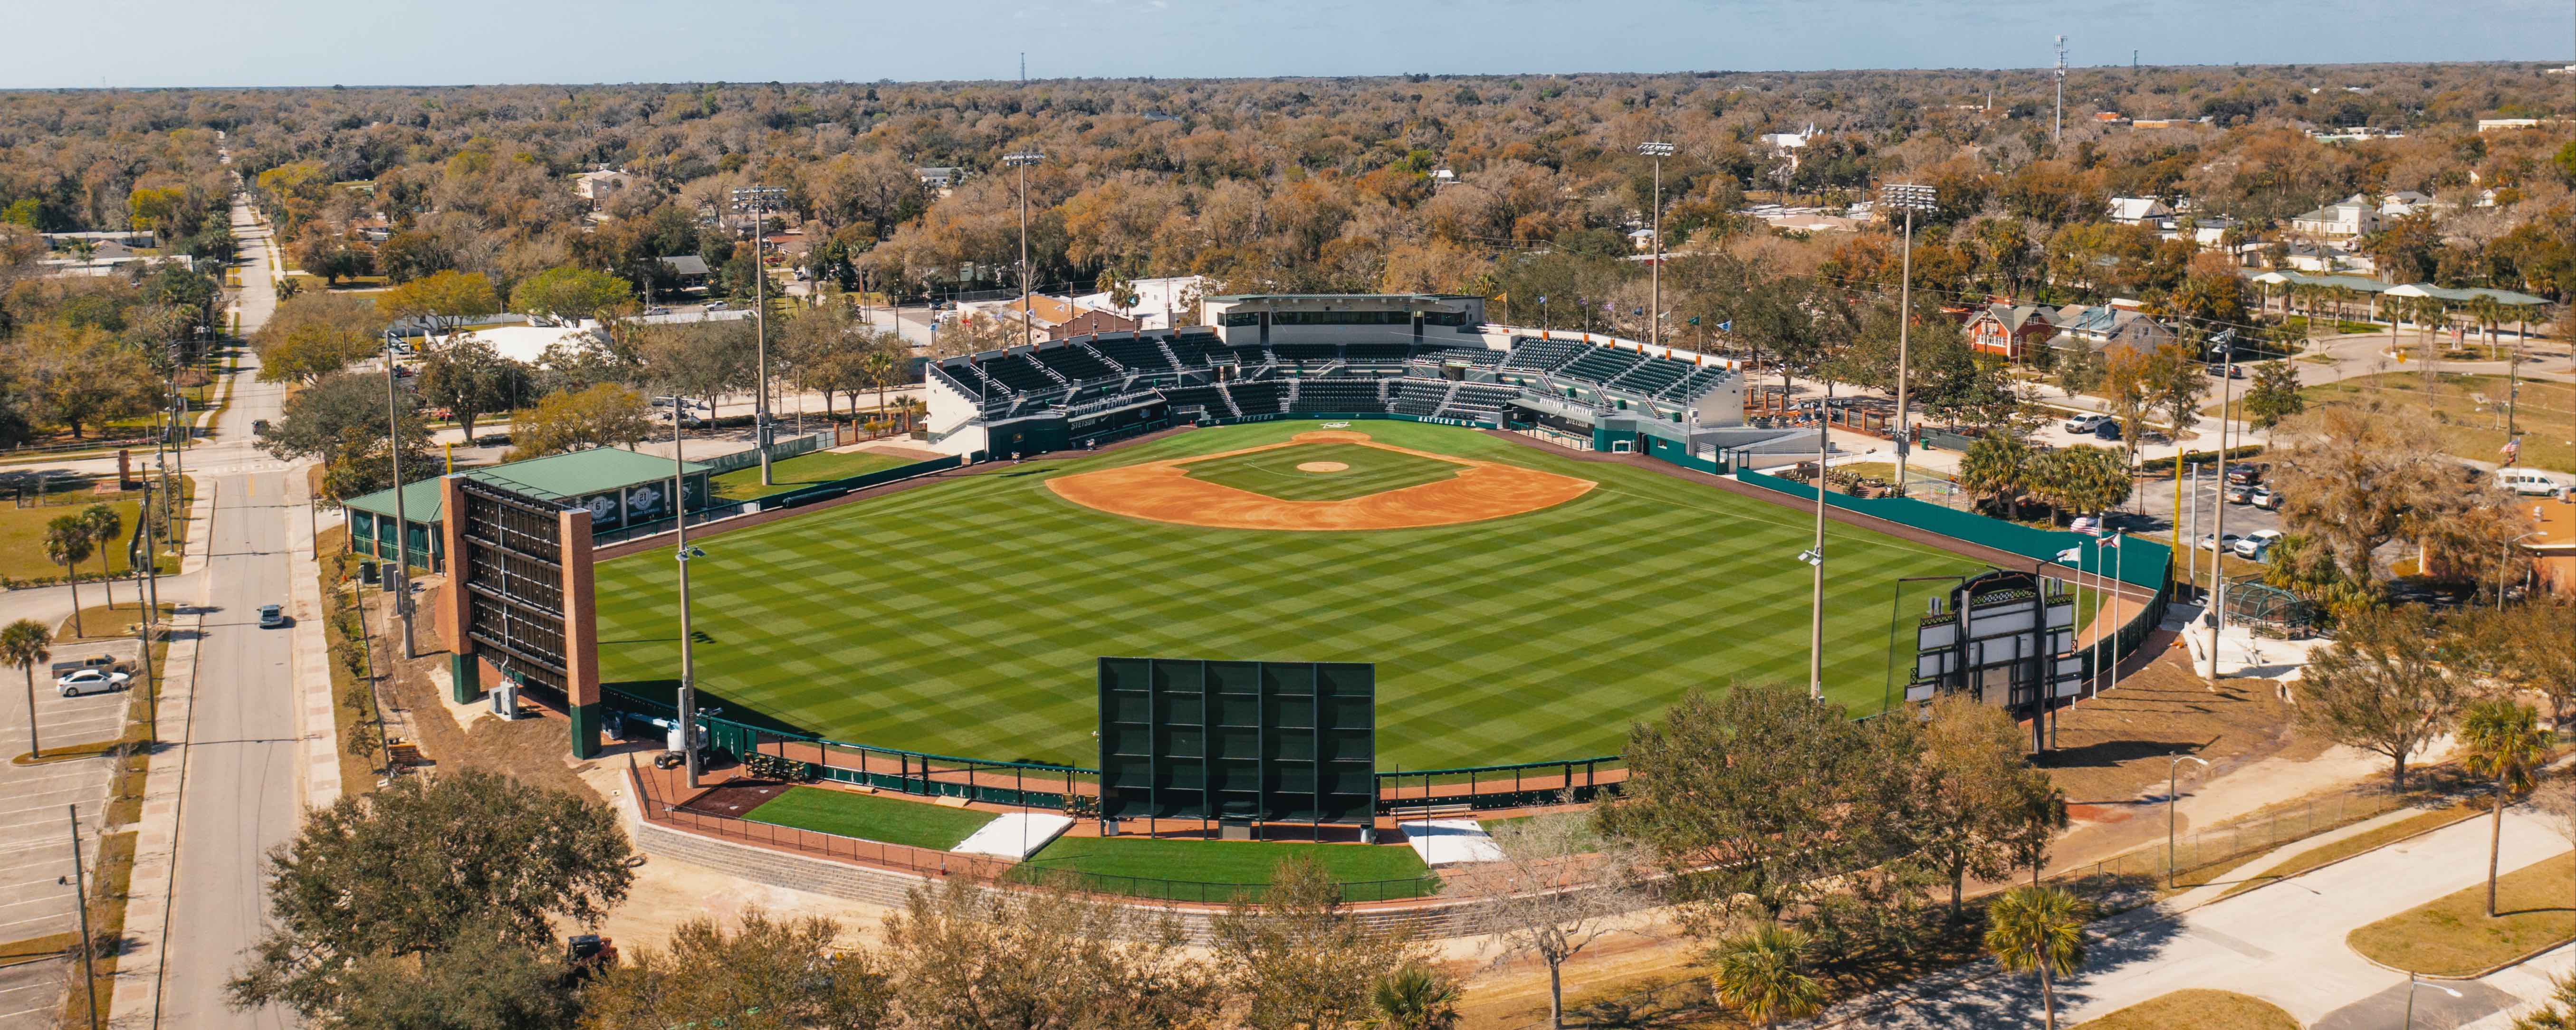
(965, 617)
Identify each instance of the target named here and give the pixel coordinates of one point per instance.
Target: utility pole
(1022, 160)
(80, 897)
(2058, 135)
(758, 199)
(1815, 556)
(1911, 198)
(2218, 523)
(682, 552)
(402, 526)
(1657, 151)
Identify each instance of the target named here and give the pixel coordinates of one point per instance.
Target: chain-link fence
(2135, 878)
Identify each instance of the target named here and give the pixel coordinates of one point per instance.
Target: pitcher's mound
(1322, 466)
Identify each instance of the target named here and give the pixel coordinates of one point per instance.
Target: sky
(153, 43)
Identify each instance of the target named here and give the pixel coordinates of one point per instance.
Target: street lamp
(1657, 151)
(759, 199)
(1022, 159)
(2413, 981)
(2173, 777)
(1908, 198)
(1815, 556)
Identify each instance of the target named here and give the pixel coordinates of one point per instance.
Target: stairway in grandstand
(991, 385)
(1165, 346)
(1483, 402)
(1227, 396)
(1096, 354)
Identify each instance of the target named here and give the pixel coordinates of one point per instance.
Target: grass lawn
(2466, 427)
(2353, 845)
(802, 471)
(2452, 936)
(1276, 473)
(967, 617)
(22, 538)
(2204, 1009)
(1227, 862)
(917, 824)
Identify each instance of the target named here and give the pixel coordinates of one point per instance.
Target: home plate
(1015, 835)
(1451, 841)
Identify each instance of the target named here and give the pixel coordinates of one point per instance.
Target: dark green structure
(618, 486)
(1238, 742)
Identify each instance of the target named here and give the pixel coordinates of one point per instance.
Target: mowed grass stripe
(965, 617)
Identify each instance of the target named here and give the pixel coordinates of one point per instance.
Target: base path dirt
(1163, 491)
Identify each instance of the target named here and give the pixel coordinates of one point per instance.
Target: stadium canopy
(599, 479)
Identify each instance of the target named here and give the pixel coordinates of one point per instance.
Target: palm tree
(2040, 929)
(1994, 468)
(67, 544)
(1763, 974)
(2559, 1013)
(1416, 998)
(23, 644)
(105, 525)
(877, 369)
(2488, 313)
(2501, 739)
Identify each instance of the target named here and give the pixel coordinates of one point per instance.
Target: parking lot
(36, 892)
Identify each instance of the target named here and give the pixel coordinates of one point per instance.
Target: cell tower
(2058, 134)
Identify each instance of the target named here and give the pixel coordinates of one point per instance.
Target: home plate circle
(1322, 466)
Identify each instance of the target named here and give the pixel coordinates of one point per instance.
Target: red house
(2010, 329)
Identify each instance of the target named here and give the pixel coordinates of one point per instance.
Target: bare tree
(1557, 888)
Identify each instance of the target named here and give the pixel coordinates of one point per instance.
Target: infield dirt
(1164, 491)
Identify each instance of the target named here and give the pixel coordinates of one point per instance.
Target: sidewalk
(2283, 944)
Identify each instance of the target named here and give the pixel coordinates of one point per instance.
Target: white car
(2257, 543)
(2083, 424)
(2219, 543)
(90, 681)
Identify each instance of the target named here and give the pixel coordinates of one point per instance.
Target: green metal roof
(562, 476)
(1346, 296)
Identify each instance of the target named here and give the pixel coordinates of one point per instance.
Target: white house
(2344, 219)
(600, 185)
(2139, 210)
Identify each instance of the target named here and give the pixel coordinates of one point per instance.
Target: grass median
(1215, 870)
(2202, 1009)
(2452, 935)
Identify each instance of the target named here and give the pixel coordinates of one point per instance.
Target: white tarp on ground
(1015, 835)
(1451, 841)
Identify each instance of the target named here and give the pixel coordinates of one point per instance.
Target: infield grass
(965, 617)
(1275, 473)
(1155, 862)
(913, 823)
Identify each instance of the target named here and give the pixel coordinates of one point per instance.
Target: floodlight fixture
(1655, 149)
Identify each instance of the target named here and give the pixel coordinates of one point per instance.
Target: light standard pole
(1911, 198)
(759, 199)
(1657, 151)
(2173, 779)
(402, 526)
(681, 551)
(1022, 159)
(2218, 518)
(1815, 556)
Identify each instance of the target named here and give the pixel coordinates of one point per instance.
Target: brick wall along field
(964, 617)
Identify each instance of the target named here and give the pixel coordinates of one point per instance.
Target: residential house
(2345, 219)
(2108, 325)
(2139, 210)
(601, 185)
(1091, 322)
(2010, 329)
(690, 269)
(2508, 124)
(1157, 299)
(2553, 551)
(939, 178)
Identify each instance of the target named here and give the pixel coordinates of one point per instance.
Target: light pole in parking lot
(1908, 198)
(1022, 159)
(1655, 320)
(759, 199)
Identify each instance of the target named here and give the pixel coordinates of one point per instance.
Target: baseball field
(1520, 605)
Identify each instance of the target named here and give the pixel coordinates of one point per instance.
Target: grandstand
(1404, 357)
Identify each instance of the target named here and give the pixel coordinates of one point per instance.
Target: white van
(2535, 482)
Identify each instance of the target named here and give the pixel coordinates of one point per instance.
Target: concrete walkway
(2283, 943)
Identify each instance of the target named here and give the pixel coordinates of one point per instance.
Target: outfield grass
(917, 824)
(1152, 862)
(802, 471)
(966, 617)
(1275, 473)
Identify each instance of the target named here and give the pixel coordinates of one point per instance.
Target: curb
(137, 998)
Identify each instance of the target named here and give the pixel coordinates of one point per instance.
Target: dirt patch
(1322, 466)
(1163, 491)
(734, 798)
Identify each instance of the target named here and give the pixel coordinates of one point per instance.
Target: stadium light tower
(402, 526)
(1815, 556)
(683, 552)
(1021, 160)
(1655, 324)
(2057, 133)
(759, 199)
(1911, 198)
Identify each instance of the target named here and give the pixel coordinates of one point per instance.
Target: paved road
(2283, 943)
(241, 795)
